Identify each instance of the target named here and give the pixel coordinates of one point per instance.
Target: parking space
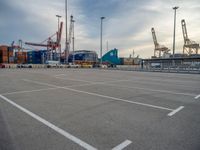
(98, 109)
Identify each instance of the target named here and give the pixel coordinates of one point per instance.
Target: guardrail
(177, 69)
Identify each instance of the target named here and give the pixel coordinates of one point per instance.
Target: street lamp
(73, 21)
(66, 40)
(174, 8)
(58, 16)
(101, 39)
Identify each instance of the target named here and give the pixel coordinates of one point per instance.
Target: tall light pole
(73, 21)
(58, 16)
(174, 8)
(101, 39)
(66, 40)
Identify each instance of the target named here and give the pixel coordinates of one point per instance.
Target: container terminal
(56, 97)
(51, 53)
(16, 56)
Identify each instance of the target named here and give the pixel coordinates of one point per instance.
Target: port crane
(71, 29)
(159, 49)
(18, 47)
(189, 47)
(51, 45)
(70, 37)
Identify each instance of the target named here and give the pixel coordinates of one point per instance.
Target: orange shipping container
(128, 61)
(5, 53)
(4, 48)
(21, 57)
(10, 53)
(4, 59)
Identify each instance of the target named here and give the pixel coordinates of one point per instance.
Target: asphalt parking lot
(74, 109)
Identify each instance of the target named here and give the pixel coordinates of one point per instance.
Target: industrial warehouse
(99, 75)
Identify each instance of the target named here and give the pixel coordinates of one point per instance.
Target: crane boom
(36, 44)
(184, 29)
(154, 37)
(49, 41)
(60, 33)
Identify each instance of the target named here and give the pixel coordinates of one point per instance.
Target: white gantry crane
(189, 47)
(159, 50)
(71, 30)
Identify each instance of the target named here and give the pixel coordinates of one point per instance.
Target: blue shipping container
(36, 57)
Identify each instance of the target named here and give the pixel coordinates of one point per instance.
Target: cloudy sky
(127, 25)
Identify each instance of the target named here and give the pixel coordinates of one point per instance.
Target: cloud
(127, 25)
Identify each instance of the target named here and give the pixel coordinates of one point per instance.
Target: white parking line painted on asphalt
(41, 83)
(104, 96)
(92, 82)
(45, 89)
(119, 99)
(122, 145)
(153, 90)
(50, 125)
(74, 79)
(52, 85)
(175, 111)
(18, 92)
(196, 97)
(132, 87)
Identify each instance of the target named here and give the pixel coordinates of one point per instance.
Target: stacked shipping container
(37, 57)
(130, 61)
(33, 57)
(21, 57)
(127, 61)
(6, 54)
(10, 55)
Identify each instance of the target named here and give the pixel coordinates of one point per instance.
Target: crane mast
(70, 32)
(189, 47)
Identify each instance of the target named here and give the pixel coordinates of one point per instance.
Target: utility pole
(101, 39)
(174, 8)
